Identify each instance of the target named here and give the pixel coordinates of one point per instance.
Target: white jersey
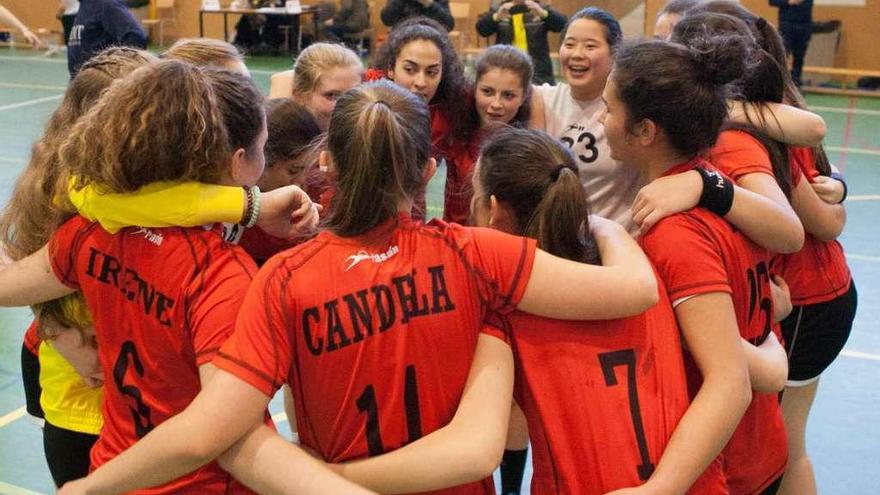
(611, 186)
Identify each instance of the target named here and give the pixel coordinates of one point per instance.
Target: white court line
(5, 159)
(32, 86)
(859, 151)
(266, 72)
(862, 257)
(8, 489)
(12, 416)
(854, 111)
(861, 355)
(279, 418)
(864, 197)
(30, 102)
(33, 59)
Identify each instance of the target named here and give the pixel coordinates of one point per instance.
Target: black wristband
(717, 195)
(839, 176)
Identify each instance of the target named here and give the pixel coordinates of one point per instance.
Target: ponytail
(536, 177)
(379, 139)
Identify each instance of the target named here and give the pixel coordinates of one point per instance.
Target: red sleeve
(31, 339)
(802, 164)
(737, 153)
(63, 247)
(508, 261)
(686, 257)
(217, 297)
(260, 351)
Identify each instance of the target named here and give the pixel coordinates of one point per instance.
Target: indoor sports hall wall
(857, 48)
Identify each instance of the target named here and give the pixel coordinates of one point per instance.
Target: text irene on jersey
(325, 331)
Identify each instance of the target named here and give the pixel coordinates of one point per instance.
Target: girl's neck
(586, 93)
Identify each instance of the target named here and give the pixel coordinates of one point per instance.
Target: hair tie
(554, 175)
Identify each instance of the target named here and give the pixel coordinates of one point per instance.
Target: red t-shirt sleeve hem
(523, 271)
(676, 293)
(246, 373)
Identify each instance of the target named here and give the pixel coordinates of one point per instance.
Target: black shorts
(815, 334)
(30, 377)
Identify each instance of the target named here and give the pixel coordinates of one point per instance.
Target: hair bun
(720, 59)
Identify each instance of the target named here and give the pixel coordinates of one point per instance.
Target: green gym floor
(842, 436)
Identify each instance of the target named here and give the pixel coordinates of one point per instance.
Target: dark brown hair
(678, 7)
(451, 94)
(379, 139)
(536, 176)
(241, 106)
(292, 132)
(681, 89)
(769, 40)
(762, 81)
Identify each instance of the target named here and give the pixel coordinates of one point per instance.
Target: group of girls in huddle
(404, 344)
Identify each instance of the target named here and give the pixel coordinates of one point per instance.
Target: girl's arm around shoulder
(623, 286)
(708, 325)
(31, 280)
(784, 123)
(822, 220)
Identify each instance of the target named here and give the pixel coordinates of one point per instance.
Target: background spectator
(99, 24)
(796, 28)
(353, 17)
(67, 13)
(398, 10)
(524, 24)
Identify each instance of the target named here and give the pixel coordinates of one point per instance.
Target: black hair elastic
(554, 175)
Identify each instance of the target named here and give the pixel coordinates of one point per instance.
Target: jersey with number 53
(375, 334)
(611, 185)
(163, 301)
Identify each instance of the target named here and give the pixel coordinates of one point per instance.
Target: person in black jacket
(398, 10)
(796, 28)
(99, 24)
(524, 24)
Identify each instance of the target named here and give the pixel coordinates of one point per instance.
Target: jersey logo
(356, 258)
(155, 238)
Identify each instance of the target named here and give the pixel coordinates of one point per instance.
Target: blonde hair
(203, 52)
(32, 213)
(317, 60)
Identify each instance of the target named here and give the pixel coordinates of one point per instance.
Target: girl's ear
(237, 167)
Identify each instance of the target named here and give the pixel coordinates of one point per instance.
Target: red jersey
(460, 163)
(737, 153)
(163, 301)
(697, 252)
(818, 272)
(602, 399)
(375, 334)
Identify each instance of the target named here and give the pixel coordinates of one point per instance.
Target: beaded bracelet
(252, 212)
